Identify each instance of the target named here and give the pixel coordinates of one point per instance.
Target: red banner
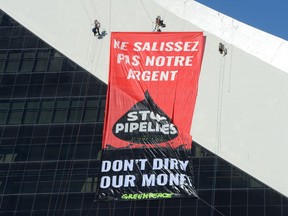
(151, 96)
(166, 66)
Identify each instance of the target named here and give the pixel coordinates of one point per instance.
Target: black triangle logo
(145, 123)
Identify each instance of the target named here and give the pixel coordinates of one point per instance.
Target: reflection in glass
(3, 117)
(26, 65)
(32, 104)
(2, 65)
(12, 66)
(60, 116)
(74, 115)
(90, 115)
(55, 65)
(40, 65)
(15, 117)
(47, 104)
(30, 116)
(45, 116)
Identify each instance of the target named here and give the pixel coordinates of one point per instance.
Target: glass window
(33, 104)
(43, 53)
(90, 115)
(15, 186)
(92, 90)
(76, 89)
(103, 91)
(22, 79)
(8, 79)
(12, 66)
(3, 117)
(51, 78)
(55, 54)
(223, 179)
(96, 150)
(17, 104)
(10, 131)
(74, 115)
(65, 153)
(40, 65)
(3, 54)
(92, 102)
(87, 130)
(62, 103)
(253, 183)
(64, 89)
(2, 65)
(26, 131)
(205, 179)
(49, 90)
(41, 131)
(16, 42)
(26, 65)
(60, 116)
(101, 115)
(56, 130)
(34, 90)
(77, 103)
(28, 54)
(239, 179)
(5, 91)
(30, 42)
(6, 20)
(15, 55)
(66, 77)
(83, 151)
(20, 91)
(239, 197)
(28, 34)
(54, 140)
(103, 102)
(79, 77)
(272, 197)
(15, 117)
(36, 153)
(4, 104)
(47, 104)
(272, 210)
(222, 197)
(37, 79)
(5, 32)
(19, 31)
(4, 42)
(44, 187)
(29, 187)
(42, 44)
(7, 155)
(45, 116)
(99, 129)
(55, 64)
(42, 200)
(51, 152)
(66, 66)
(30, 117)
(90, 185)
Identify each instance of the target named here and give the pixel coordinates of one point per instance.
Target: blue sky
(269, 16)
